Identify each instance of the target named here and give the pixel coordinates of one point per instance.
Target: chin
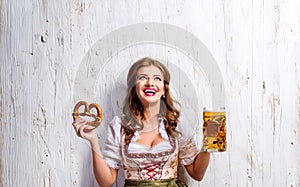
(151, 101)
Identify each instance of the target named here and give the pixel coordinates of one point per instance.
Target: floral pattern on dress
(151, 166)
(138, 164)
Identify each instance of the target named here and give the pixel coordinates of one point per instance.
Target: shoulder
(184, 127)
(116, 120)
(114, 126)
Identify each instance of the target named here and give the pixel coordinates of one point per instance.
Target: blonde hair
(133, 111)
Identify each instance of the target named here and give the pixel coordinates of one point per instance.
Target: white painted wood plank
(256, 45)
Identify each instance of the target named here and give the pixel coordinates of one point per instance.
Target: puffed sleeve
(187, 144)
(112, 148)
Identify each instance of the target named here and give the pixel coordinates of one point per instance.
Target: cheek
(162, 88)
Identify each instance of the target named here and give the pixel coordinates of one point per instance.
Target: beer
(214, 130)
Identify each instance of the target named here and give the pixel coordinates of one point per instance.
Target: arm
(198, 168)
(104, 175)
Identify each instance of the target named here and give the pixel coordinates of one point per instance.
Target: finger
(79, 122)
(79, 125)
(74, 124)
(78, 119)
(80, 130)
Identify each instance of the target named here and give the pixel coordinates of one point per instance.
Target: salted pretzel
(87, 112)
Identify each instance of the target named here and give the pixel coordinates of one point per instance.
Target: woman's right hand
(79, 125)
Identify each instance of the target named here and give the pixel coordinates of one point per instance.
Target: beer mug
(214, 130)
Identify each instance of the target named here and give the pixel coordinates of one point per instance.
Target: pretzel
(87, 112)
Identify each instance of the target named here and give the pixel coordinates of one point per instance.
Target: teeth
(149, 91)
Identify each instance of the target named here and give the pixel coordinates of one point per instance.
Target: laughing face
(149, 86)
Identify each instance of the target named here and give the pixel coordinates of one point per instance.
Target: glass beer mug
(214, 130)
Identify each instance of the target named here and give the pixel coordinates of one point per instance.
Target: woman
(150, 138)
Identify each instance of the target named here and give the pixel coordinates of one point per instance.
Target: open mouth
(150, 91)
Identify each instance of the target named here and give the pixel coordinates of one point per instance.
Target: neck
(151, 112)
(150, 120)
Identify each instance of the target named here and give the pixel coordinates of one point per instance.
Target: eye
(142, 77)
(158, 78)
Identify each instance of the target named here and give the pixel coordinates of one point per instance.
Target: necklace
(150, 130)
(153, 127)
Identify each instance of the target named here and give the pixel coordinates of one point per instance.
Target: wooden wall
(244, 55)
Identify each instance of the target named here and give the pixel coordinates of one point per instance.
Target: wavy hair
(133, 111)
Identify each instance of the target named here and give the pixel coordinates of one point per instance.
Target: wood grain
(43, 44)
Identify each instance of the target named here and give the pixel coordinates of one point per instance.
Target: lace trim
(162, 132)
(152, 155)
(112, 164)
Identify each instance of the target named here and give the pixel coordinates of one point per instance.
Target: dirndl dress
(144, 166)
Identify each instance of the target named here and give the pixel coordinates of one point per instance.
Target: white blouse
(143, 163)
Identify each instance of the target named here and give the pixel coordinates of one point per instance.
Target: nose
(150, 81)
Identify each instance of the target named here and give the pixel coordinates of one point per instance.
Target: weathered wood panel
(46, 46)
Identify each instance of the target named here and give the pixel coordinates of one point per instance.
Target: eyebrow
(148, 75)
